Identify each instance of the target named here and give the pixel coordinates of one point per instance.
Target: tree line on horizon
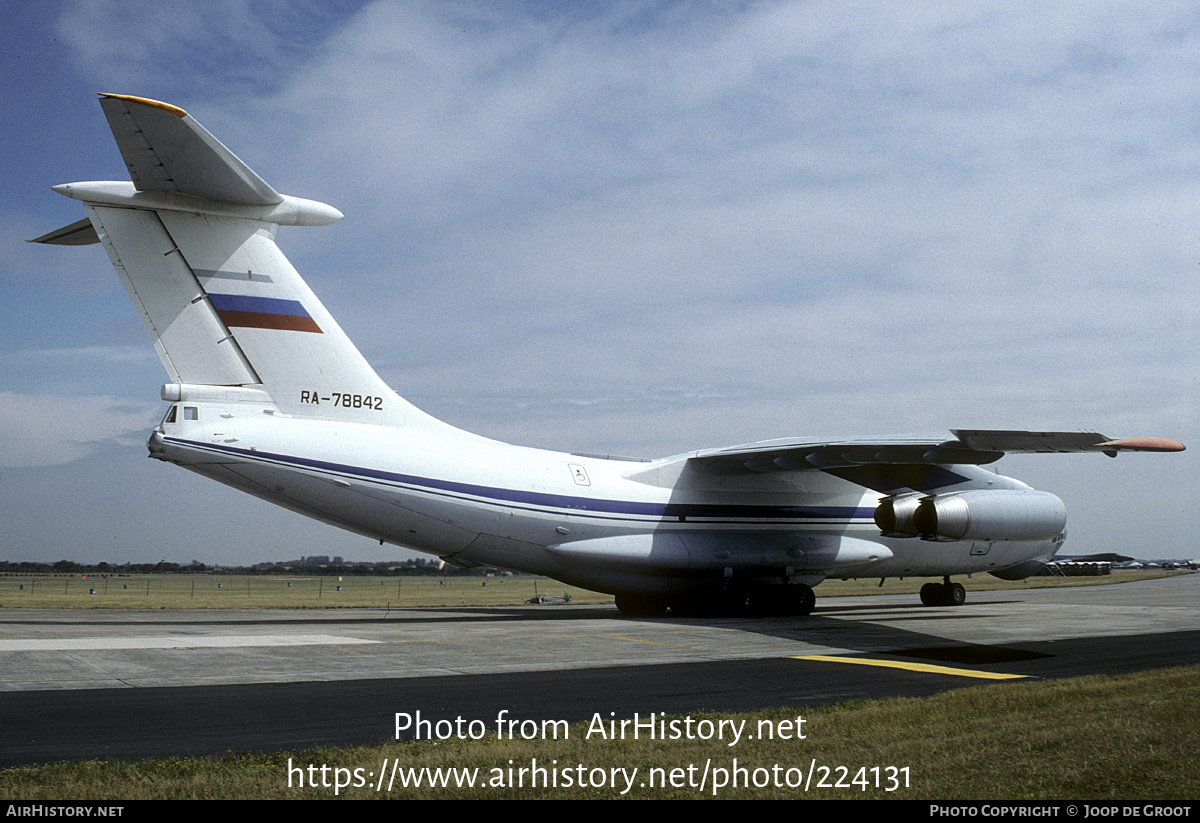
(317, 564)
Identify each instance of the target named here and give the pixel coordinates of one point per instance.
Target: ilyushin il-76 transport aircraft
(268, 395)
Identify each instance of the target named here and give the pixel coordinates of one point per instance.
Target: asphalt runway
(82, 684)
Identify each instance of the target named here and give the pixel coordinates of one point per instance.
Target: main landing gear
(943, 594)
(796, 599)
(641, 605)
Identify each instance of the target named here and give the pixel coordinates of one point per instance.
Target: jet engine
(894, 516)
(984, 516)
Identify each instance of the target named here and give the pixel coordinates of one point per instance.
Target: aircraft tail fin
(193, 241)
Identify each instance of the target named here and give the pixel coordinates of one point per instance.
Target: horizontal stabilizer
(166, 150)
(79, 233)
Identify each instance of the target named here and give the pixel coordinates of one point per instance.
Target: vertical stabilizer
(193, 241)
(192, 342)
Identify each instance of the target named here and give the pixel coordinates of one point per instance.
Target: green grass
(1095, 738)
(204, 591)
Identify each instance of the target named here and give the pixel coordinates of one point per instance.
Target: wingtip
(1143, 444)
(146, 101)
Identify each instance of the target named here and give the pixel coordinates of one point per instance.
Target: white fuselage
(601, 523)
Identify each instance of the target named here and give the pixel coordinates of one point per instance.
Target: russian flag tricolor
(263, 312)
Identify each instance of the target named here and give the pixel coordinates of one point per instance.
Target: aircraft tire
(695, 606)
(956, 595)
(943, 594)
(641, 605)
(793, 600)
(760, 601)
(931, 594)
(802, 598)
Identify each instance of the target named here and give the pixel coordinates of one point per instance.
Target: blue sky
(637, 229)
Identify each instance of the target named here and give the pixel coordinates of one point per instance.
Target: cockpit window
(191, 413)
(170, 416)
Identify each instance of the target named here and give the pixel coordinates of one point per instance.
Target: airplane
(269, 396)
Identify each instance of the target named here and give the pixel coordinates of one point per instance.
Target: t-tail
(192, 238)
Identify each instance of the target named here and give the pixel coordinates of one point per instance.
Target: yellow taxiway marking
(640, 640)
(915, 667)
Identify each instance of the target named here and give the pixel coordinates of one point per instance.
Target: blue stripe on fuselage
(576, 506)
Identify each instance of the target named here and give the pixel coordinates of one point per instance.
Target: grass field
(208, 591)
(201, 591)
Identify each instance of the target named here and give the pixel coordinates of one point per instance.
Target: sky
(635, 228)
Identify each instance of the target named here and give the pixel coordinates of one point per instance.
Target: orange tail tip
(146, 101)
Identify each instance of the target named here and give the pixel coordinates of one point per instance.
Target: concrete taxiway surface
(82, 683)
(103, 649)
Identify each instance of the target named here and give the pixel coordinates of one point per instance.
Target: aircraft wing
(166, 150)
(894, 465)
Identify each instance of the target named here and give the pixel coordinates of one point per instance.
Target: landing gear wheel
(789, 600)
(691, 607)
(931, 594)
(802, 598)
(641, 605)
(956, 595)
(943, 594)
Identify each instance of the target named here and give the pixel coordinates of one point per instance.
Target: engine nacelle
(894, 516)
(991, 516)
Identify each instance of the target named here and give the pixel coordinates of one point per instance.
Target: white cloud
(232, 45)
(880, 202)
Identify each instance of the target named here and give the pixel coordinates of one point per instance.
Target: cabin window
(191, 413)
